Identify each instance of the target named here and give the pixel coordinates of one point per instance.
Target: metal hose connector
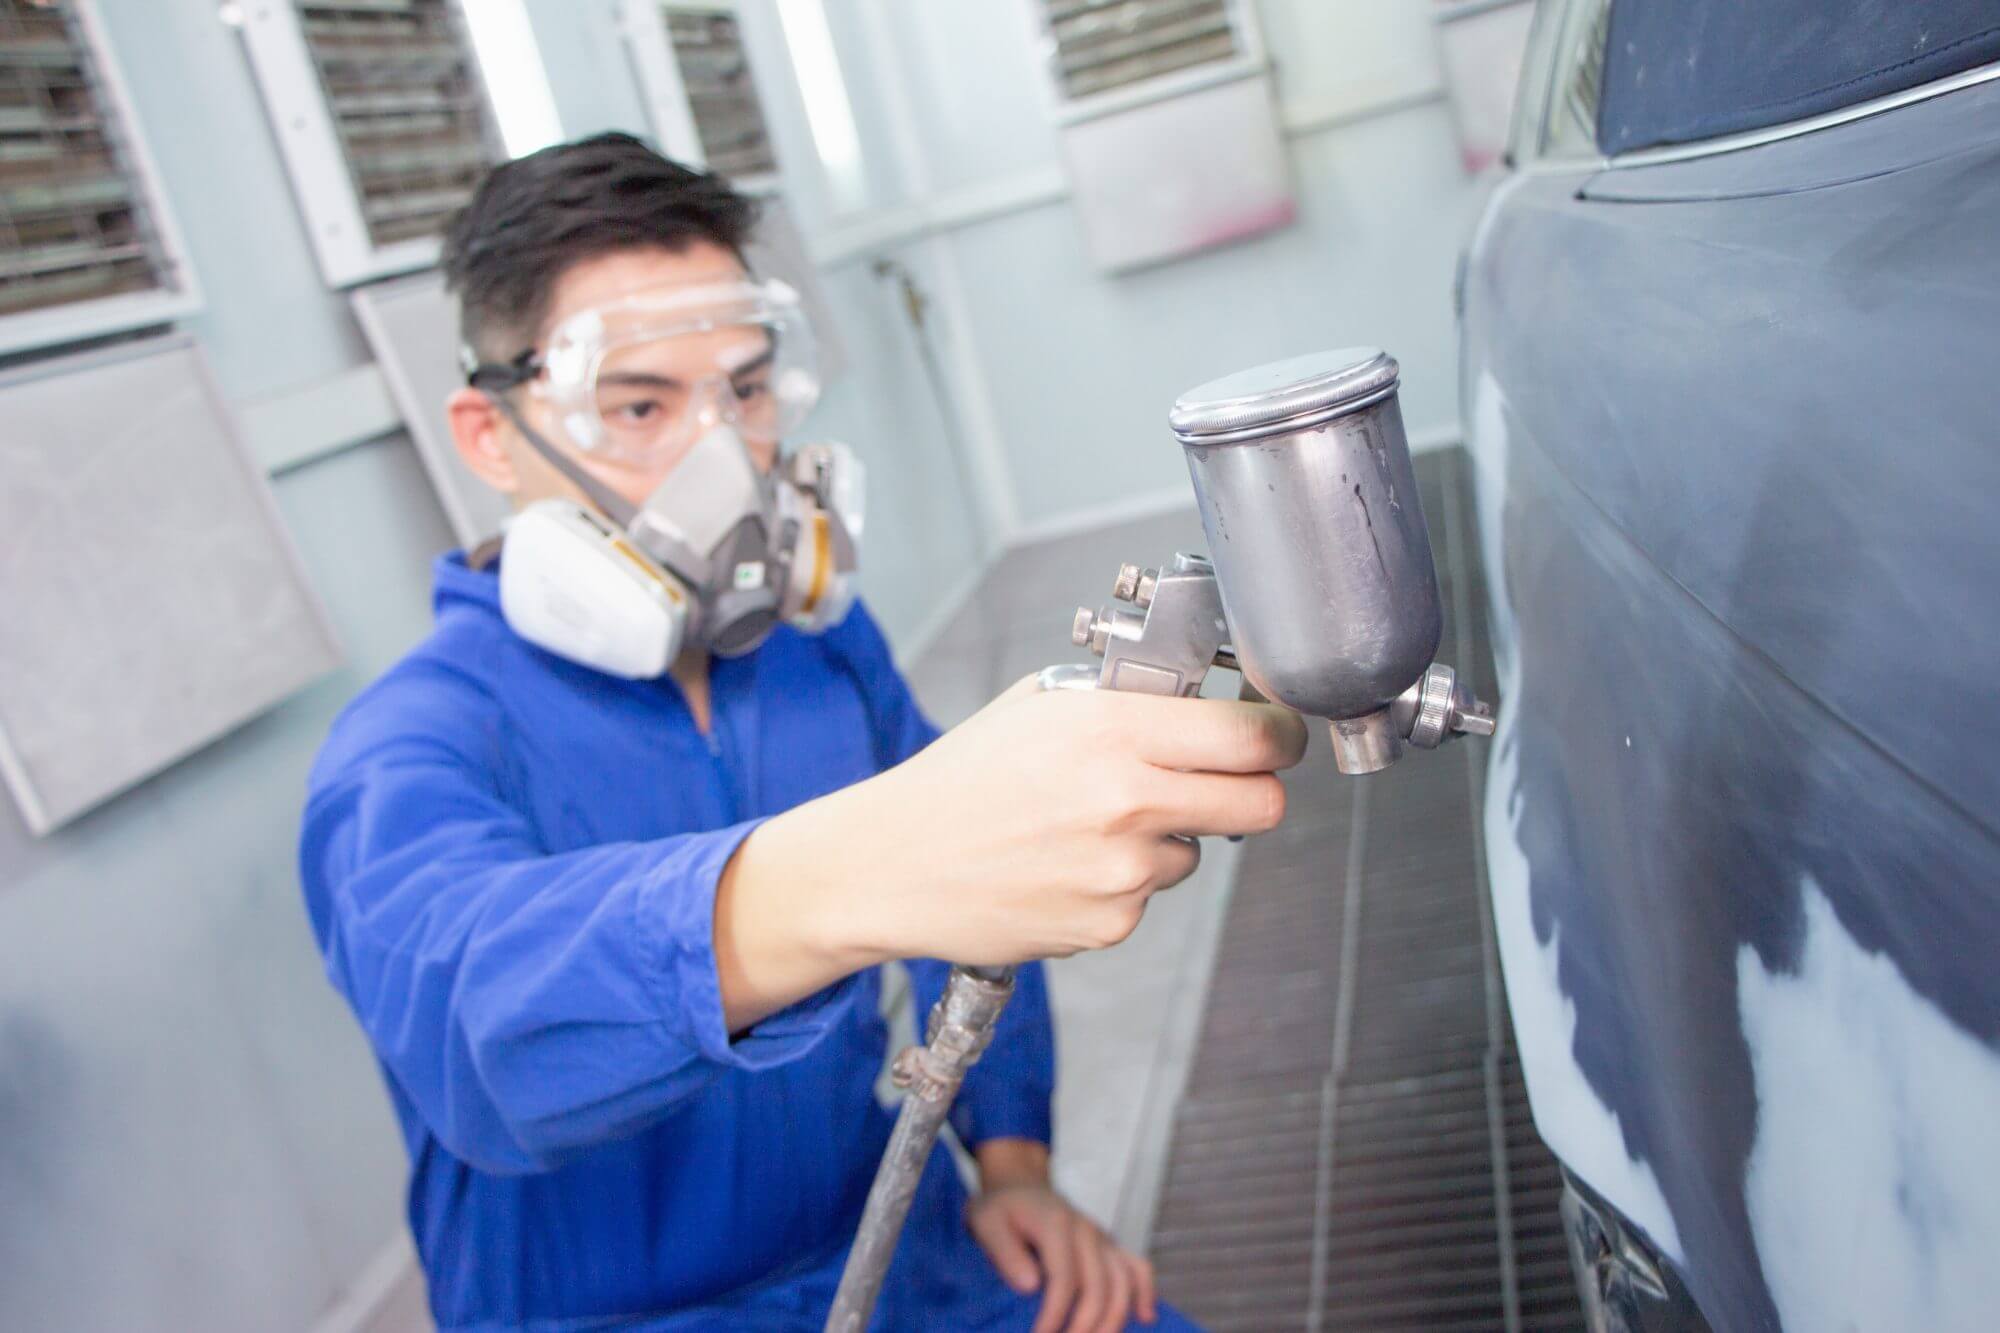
(960, 1027)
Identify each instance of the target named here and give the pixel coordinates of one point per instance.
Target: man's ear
(476, 428)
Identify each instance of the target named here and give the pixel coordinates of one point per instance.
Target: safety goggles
(641, 379)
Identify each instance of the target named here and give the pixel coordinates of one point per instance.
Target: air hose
(960, 1027)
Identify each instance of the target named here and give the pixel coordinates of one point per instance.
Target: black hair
(533, 218)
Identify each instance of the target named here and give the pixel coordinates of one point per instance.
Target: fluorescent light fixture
(829, 114)
(515, 78)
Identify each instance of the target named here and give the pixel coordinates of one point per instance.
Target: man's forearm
(782, 927)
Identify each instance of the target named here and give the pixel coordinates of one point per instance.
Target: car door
(1731, 377)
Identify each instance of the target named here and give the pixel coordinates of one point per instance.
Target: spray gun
(1322, 592)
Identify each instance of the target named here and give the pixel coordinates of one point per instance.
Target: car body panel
(1737, 428)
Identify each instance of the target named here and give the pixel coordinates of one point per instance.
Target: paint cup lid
(1283, 396)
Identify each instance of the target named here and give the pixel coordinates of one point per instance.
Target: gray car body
(1736, 425)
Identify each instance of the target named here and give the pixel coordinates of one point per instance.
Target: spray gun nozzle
(1477, 722)
(1438, 706)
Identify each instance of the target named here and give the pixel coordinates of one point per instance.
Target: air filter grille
(74, 221)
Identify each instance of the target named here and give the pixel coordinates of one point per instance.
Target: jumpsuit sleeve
(528, 1005)
(1008, 1094)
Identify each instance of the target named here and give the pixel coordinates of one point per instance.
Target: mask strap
(614, 506)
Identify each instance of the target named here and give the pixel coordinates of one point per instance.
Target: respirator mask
(693, 379)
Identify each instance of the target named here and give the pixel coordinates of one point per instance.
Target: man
(615, 939)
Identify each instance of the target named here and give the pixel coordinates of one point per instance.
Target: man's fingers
(1058, 1259)
(1213, 735)
(995, 1232)
(1119, 1275)
(1217, 803)
(1174, 860)
(1093, 1284)
(1145, 1293)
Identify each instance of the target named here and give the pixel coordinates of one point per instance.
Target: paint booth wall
(1060, 375)
(192, 1133)
(1064, 373)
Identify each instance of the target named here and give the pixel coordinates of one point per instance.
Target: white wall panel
(154, 602)
(1085, 365)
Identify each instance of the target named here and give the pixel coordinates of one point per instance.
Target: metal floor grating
(1354, 1148)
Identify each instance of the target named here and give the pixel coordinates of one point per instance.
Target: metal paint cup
(1309, 500)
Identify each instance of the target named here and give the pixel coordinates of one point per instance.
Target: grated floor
(1354, 1149)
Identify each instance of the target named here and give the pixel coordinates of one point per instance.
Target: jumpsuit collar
(734, 707)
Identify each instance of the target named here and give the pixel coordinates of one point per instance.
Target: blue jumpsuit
(510, 864)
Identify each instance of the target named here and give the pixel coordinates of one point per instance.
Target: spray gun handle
(1170, 635)
(1166, 646)
(1067, 676)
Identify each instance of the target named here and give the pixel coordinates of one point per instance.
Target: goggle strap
(613, 506)
(498, 376)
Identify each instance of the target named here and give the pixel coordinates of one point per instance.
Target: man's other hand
(1039, 1242)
